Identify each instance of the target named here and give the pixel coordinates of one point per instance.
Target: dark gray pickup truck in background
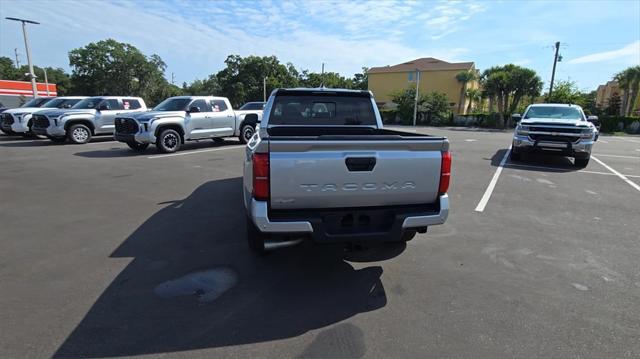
(323, 167)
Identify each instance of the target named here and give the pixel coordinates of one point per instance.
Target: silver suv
(89, 117)
(559, 129)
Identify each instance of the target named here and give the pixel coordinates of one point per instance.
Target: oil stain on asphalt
(207, 285)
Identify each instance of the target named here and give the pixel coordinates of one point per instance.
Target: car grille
(41, 121)
(7, 119)
(126, 126)
(555, 129)
(550, 138)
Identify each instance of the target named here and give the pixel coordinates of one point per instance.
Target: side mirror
(516, 117)
(66, 105)
(595, 121)
(104, 107)
(194, 109)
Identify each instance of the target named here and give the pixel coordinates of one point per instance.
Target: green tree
(474, 96)
(507, 85)
(564, 92)
(109, 67)
(629, 81)
(434, 105)
(207, 87)
(7, 70)
(613, 105)
(360, 81)
(242, 79)
(464, 77)
(405, 102)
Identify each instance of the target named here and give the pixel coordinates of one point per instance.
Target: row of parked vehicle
(77, 119)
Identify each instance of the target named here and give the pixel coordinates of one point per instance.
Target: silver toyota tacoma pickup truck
(559, 129)
(89, 117)
(322, 166)
(184, 118)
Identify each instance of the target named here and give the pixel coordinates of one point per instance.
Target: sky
(598, 39)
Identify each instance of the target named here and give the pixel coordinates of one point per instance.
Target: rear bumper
(382, 224)
(580, 148)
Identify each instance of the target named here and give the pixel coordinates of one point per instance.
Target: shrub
(619, 123)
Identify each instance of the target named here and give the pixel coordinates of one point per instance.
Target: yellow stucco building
(435, 75)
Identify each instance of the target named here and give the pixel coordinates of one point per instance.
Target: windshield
(173, 104)
(88, 103)
(62, 103)
(560, 112)
(252, 106)
(322, 109)
(36, 102)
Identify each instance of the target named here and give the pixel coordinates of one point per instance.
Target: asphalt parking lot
(107, 252)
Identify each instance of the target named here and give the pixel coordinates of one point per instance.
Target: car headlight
(522, 130)
(586, 133)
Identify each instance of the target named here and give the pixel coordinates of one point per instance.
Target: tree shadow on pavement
(193, 284)
(537, 162)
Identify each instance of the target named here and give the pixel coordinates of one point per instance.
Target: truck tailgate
(341, 173)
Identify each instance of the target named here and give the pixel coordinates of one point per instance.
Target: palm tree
(634, 74)
(624, 80)
(464, 77)
(474, 95)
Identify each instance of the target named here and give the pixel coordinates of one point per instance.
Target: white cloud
(628, 54)
(344, 35)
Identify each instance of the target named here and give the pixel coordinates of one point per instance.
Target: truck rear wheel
(137, 146)
(79, 134)
(169, 141)
(255, 238)
(246, 132)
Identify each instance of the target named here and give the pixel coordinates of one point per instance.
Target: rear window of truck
(315, 109)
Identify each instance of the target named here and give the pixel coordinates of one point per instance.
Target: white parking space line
(603, 141)
(196, 152)
(631, 183)
(100, 142)
(492, 184)
(557, 169)
(634, 157)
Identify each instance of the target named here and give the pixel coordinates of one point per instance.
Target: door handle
(360, 164)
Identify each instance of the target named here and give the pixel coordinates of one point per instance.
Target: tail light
(261, 176)
(445, 172)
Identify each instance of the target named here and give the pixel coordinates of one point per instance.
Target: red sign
(23, 88)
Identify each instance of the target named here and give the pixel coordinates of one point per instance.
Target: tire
(515, 156)
(581, 162)
(255, 238)
(79, 134)
(169, 141)
(8, 132)
(57, 139)
(137, 146)
(408, 235)
(246, 132)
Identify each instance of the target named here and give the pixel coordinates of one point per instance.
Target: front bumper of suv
(382, 224)
(141, 137)
(579, 148)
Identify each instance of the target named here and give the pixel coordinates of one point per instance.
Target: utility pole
(322, 76)
(17, 59)
(173, 78)
(553, 73)
(264, 89)
(26, 45)
(46, 80)
(415, 103)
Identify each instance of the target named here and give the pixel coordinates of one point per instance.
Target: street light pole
(46, 80)
(26, 45)
(553, 72)
(415, 103)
